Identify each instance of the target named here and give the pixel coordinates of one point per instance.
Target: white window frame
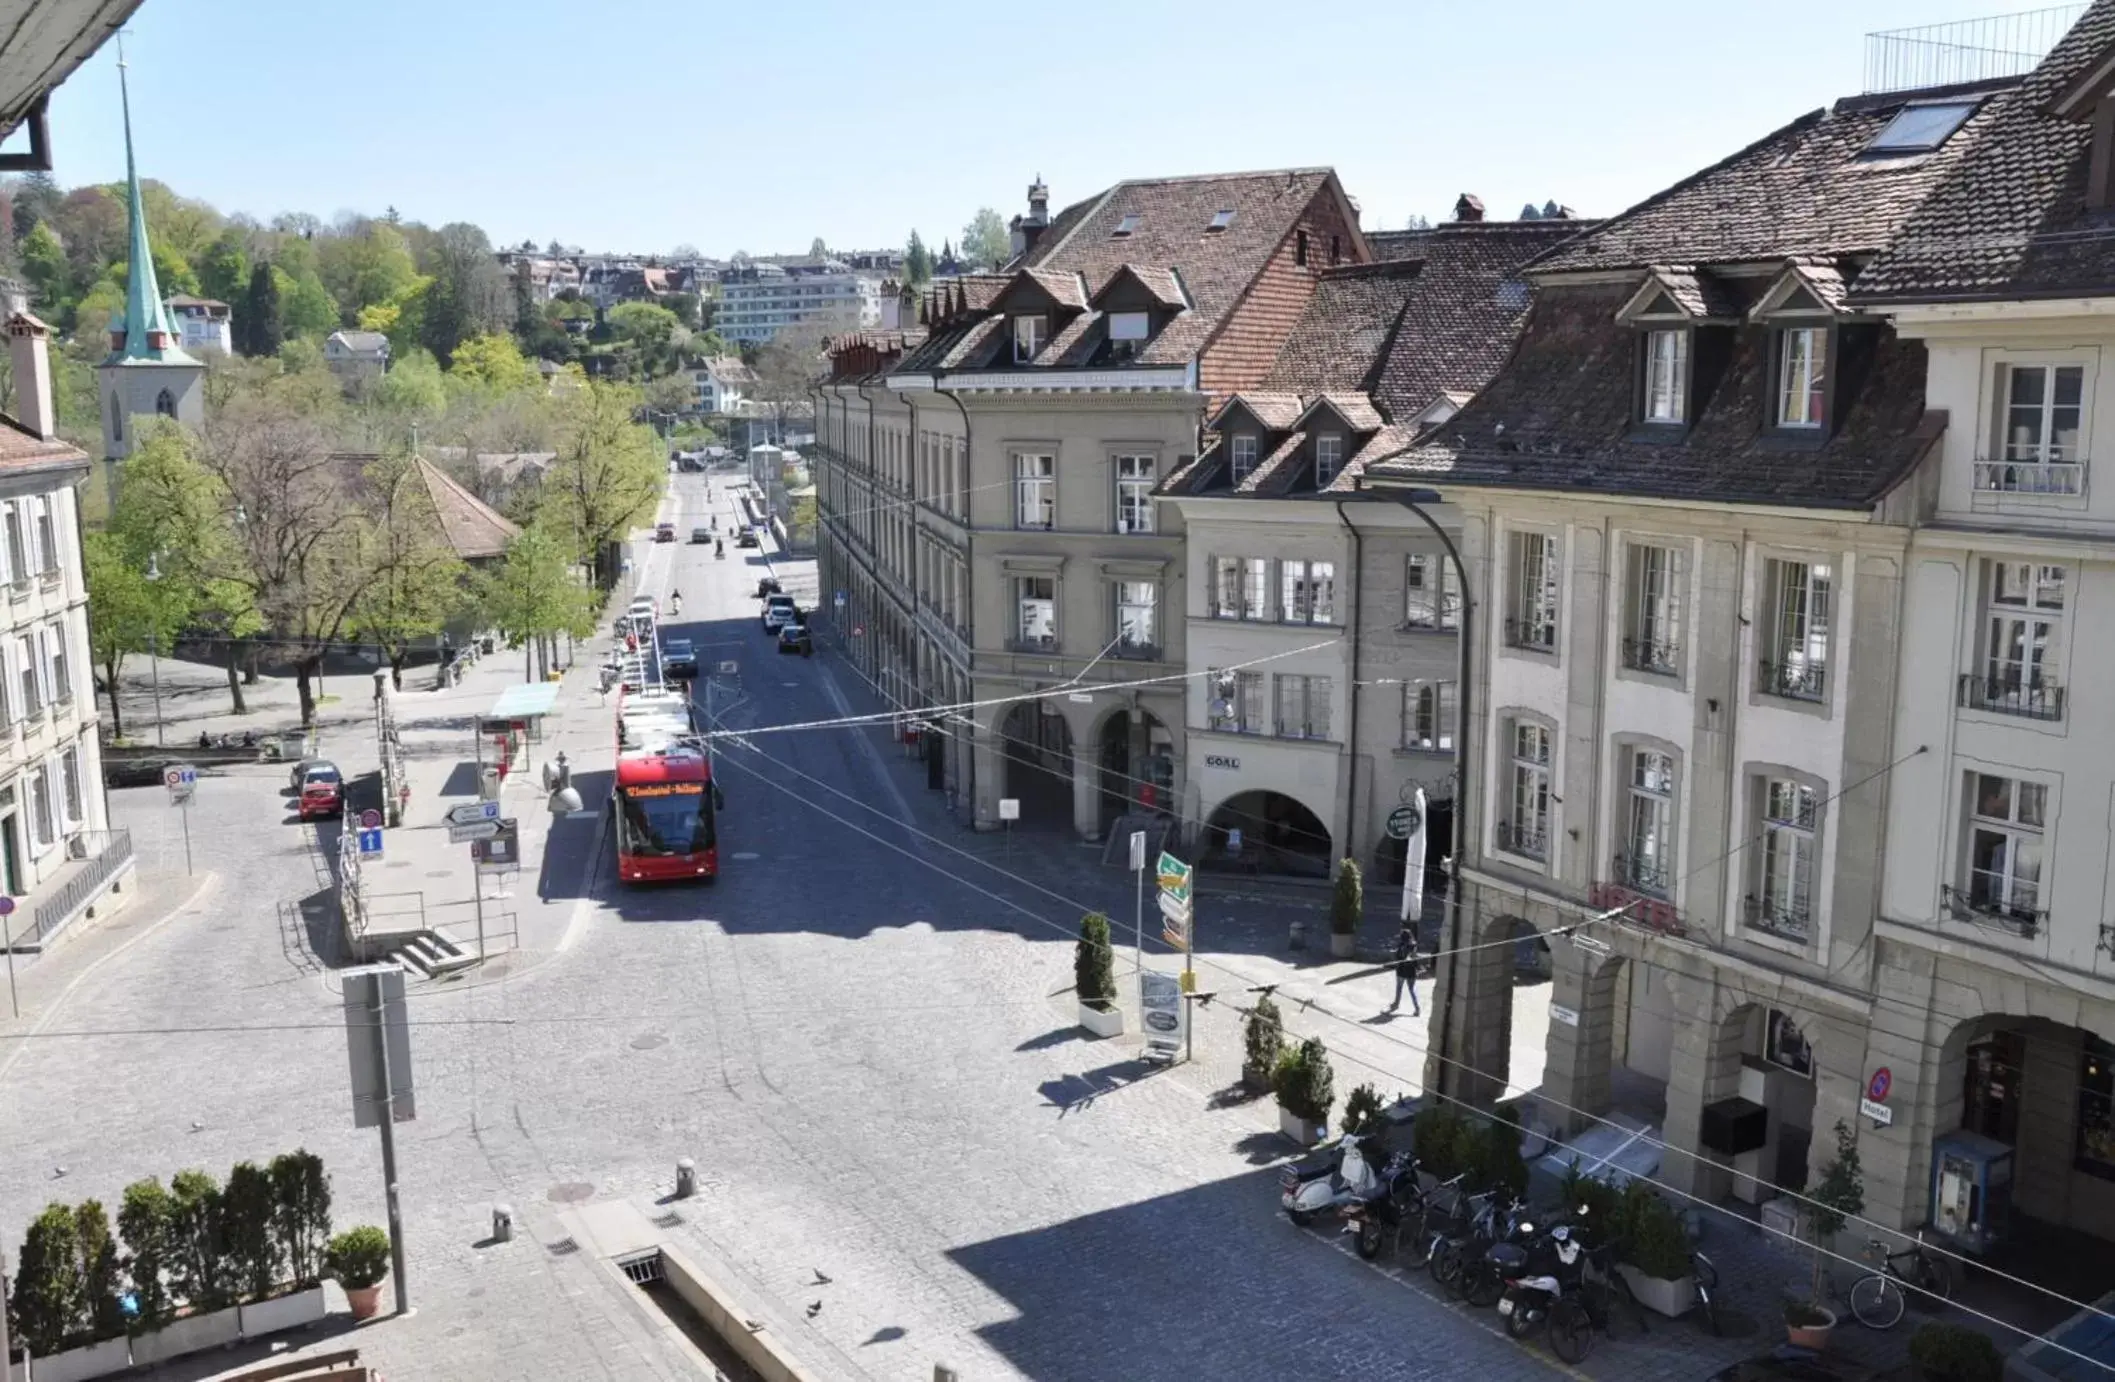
(73, 801)
(1427, 607)
(1307, 592)
(1137, 617)
(1650, 795)
(1537, 594)
(1652, 608)
(58, 666)
(2036, 464)
(1798, 625)
(30, 678)
(2022, 632)
(47, 537)
(1666, 353)
(43, 817)
(1243, 452)
(17, 546)
(1430, 715)
(1329, 458)
(1135, 477)
(1031, 332)
(1788, 858)
(1234, 701)
(1028, 602)
(1802, 376)
(1034, 491)
(2015, 888)
(1300, 705)
(1524, 829)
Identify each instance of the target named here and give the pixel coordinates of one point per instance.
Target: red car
(322, 793)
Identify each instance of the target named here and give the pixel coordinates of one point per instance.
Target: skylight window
(1127, 225)
(1921, 128)
(1220, 221)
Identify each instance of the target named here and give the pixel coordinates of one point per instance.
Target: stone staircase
(430, 955)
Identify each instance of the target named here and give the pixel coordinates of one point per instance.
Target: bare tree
(786, 369)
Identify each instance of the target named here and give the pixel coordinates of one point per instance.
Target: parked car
(701, 537)
(302, 768)
(766, 586)
(747, 538)
(679, 660)
(322, 793)
(778, 612)
(794, 638)
(664, 532)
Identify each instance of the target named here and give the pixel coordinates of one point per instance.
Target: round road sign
(1883, 1080)
(7, 904)
(172, 777)
(1403, 822)
(370, 819)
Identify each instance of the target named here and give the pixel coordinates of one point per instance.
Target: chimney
(29, 351)
(1038, 202)
(1468, 208)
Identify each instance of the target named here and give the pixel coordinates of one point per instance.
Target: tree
(145, 1217)
(411, 392)
(1347, 900)
(50, 1303)
(309, 310)
(367, 268)
(534, 594)
(917, 262)
(786, 368)
(651, 332)
(43, 259)
(675, 392)
(985, 241)
(1417, 222)
(607, 477)
(301, 1191)
(817, 249)
(102, 304)
(469, 295)
(127, 612)
(253, 1251)
(262, 319)
(224, 269)
(197, 1245)
(686, 307)
(493, 363)
(1092, 981)
(415, 579)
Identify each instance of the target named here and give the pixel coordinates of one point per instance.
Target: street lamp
(154, 653)
(1415, 500)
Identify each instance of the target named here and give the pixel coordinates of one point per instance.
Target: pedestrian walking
(1406, 971)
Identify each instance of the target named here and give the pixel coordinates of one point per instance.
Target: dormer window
(1029, 334)
(1300, 248)
(1220, 221)
(1802, 375)
(1919, 129)
(1666, 375)
(1130, 326)
(1244, 454)
(1329, 458)
(1126, 226)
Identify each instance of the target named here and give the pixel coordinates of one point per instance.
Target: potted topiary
(1437, 1134)
(1362, 1112)
(359, 1259)
(1655, 1251)
(200, 1274)
(1306, 1090)
(1263, 1041)
(1955, 1353)
(1347, 902)
(260, 1248)
(1838, 1194)
(1093, 980)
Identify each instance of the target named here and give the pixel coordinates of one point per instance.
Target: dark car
(793, 638)
(767, 586)
(664, 532)
(747, 538)
(679, 661)
(701, 537)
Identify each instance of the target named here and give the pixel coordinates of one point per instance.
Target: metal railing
(1641, 875)
(1962, 904)
(1789, 918)
(1966, 50)
(100, 853)
(1795, 681)
(2066, 478)
(1523, 840)
(1535, 635)
(2034, 699)
(1658, 656)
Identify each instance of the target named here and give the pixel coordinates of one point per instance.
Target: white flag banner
(1414, 865)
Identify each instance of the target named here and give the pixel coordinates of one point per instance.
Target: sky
(639, 125)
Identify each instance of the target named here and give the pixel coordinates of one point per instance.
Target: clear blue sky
(642, 124)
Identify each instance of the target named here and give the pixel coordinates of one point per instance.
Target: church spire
(144, 334)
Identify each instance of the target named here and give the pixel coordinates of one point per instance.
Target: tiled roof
(1394, 246)
(1064, 288)
(1806, 189)
(1276, 411)
(366, 341)
(2010, 220)
(1160, 284)
(473, 528)
(1700, 295)
(22, 449)
(1558, 416)
(1342, 337)
(1356, 409)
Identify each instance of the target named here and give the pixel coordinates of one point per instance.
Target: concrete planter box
(190, 1334)
(1102, 1022)
(96, 1360)
(1670, 1298)
(1343, 947)
(1299, 1129)
(295, 1311)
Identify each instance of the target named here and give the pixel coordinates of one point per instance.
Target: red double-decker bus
(663, 797)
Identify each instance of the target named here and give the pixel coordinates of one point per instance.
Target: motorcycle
(1352, 1178)
(1379, 1221)
(1536, 1276)
(1482, 1278)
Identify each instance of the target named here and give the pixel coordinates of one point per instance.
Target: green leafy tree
(535, 593)
(224, 269)
(786, 369)
(917, 262)
(301, 1189)
(652, 333)
(1362, 1111)
(146, 1218)
(412, 390)
(817, 249)
(985, 241)
(253, 1251)
(99, 308)
(261, 321)
(493, 363)
(687, 309)
(1831, 1201)
(127, 612)
(308, 308)
(50, 1300)
(198, 1247)
(1263, 1041)
(43, 260)
(608, 475)
(469, 295)
(1092, 963)
(105, 1314)
(369, 267)
(1347, 900)
(415, 581)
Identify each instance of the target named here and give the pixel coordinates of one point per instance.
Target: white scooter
(1354, 1179)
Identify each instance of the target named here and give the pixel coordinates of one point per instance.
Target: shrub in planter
(1654, 1240)
(247, 1208)
(359, 1259)
(99, 1271)
(301, 1218)
(1606, 1207)
(1092, 975)
(198, 1254)
(1955, 1353)
(1362, 1111)
(50, 1304)
(1347, 901)
(1491, 1148)
(145, 1221)
(1437, 1131)
(1305, 1086)
(1263, 1039)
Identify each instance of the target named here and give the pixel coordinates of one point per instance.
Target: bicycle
(1577, 1317)
(1435, 1216)
(1877, 1298)
(1706, 1274)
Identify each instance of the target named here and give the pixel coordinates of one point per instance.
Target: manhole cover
(669, 1220)
(571, 1192)
(647, 1041)
(745, 854)
(564, 1247)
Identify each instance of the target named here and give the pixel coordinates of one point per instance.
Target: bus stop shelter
(515, 721)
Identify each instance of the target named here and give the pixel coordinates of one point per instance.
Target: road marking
(745, 855)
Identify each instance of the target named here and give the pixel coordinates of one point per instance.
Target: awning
(525, 702)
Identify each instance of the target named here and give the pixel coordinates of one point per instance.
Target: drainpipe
(873, 486)
(1351, 730)
(969, 585)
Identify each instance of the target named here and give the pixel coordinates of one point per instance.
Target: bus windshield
(666, 818)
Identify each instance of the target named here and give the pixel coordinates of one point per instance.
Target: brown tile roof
(1276, 411)
(1806, 189)
(1356, 409)
(1699, 294)
(473, 528)
(1064, 288)
(1342, 337)
(1160, 284)
(2009, 220)
(1394, 246)
(23, 450)
(1559, 416)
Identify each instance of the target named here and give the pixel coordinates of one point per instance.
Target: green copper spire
(145, 316)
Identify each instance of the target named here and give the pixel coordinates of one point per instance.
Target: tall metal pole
(389, 1152)
(1189, 974)
(477, 896)
(1138, 905)
(7, 938)
(183, 813)
(154, 660)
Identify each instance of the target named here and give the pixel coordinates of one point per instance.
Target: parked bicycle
(1576, 1317)
(1474, 1226)
(1440, 1214)
(1877, 1298)
(1701, 1268)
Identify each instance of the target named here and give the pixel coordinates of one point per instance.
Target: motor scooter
(1378, 1221)
(1536, 1274)
(1353, 1178)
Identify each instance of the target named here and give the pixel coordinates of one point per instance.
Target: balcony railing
(1535, 635)
(2066, 478)
(1143, 652)
(1963, 904)
(1642, 875)
(1532, 842)
(1655, 655)
(1804, 680)
(1032, 643)
(2037, 699)
(1790, 918)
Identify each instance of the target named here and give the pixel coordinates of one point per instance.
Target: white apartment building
(757, 300)
(203, 323)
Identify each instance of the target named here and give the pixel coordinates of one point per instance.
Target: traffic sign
(476, 830)
(181, 780)
(370, 819)
(1403, 822)
(1177, 912)
(1009, 808)
(1877, 1088)
(370, 843)
(471, 812)
(7, 905)
(1173, 876)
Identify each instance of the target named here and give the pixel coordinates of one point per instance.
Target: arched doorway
(1761, 1056)
(1277, 834)
(1036, 746)
(1137, 760)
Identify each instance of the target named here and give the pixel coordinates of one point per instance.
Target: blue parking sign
(371, 842)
